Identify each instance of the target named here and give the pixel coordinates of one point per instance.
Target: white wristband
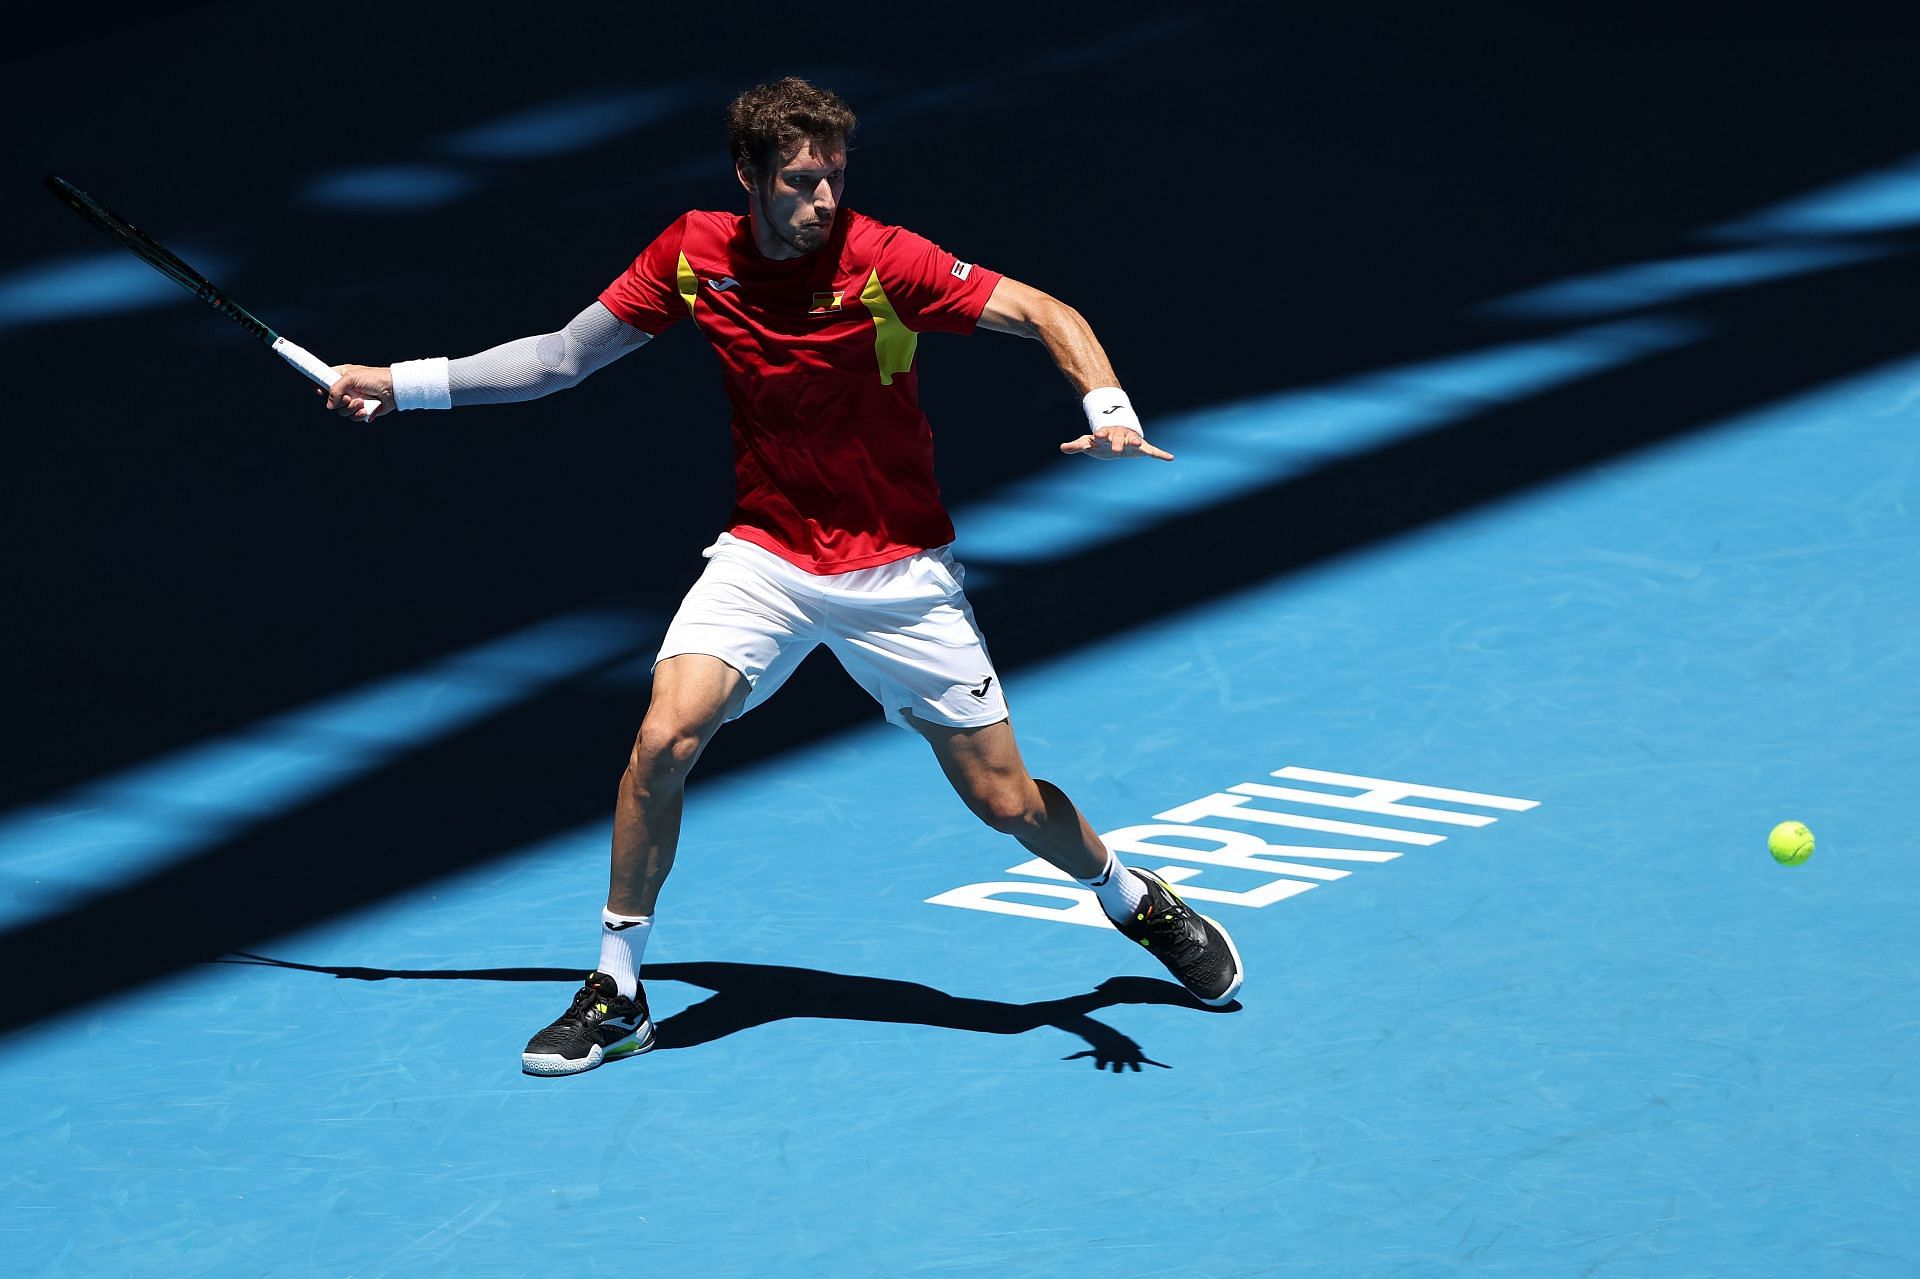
(422, 384)
(1108, 406)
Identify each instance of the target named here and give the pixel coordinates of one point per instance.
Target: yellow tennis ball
(1790, 843)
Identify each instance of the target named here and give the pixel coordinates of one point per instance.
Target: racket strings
(162, 260)
(167, 264)
(156, 255)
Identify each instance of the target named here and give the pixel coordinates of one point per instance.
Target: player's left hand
(1111, 443)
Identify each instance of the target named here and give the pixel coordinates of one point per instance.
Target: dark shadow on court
(1325, 195)
(750, 995)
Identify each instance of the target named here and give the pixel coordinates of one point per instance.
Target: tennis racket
(162, 259)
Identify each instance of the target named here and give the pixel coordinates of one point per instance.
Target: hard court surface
(1604, 1034)
(1482, 795)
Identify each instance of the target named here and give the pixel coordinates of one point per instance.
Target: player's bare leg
(986, 769)
(693, 695)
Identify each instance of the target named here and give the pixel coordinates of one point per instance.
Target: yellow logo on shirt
(825, 302)
(893, 341)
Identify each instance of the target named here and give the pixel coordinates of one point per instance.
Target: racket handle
(318, 369)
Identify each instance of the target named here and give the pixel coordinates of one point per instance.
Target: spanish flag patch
(825, 302)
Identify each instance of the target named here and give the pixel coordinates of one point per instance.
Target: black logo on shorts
(981, 692)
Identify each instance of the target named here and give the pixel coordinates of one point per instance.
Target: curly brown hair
(769, 122)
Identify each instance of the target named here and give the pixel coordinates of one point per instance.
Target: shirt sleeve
(646, 295)
(931, 290)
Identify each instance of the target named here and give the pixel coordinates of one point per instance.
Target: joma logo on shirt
(825, 302)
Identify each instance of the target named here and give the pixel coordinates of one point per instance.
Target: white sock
(623, 939)
(1119, 889)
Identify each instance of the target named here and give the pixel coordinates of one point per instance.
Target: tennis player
(838, 535)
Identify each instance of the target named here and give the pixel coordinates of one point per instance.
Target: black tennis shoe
(1195, 950)
(601, 1025)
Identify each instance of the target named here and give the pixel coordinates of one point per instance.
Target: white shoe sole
(553, 1064)
(1239, 973)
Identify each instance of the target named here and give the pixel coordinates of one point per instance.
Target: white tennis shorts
(904, 630)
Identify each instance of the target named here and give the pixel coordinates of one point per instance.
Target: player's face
(797, 203)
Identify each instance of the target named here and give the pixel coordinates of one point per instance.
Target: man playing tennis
(838, 536)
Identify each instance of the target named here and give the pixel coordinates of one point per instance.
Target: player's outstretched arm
(524, 369)
(1113, 429)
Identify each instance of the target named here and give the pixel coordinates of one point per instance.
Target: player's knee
(662, 754)
(1010, 810)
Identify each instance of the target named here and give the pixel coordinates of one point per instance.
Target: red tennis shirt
(832, 457)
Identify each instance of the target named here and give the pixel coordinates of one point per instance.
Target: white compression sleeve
(523, 369)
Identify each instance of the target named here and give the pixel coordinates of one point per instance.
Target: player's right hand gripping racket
(157, 255)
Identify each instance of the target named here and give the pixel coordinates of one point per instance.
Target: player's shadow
(749, 995)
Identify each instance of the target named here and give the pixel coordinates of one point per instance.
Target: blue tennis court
(1471, 731)
(1603, 1034)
